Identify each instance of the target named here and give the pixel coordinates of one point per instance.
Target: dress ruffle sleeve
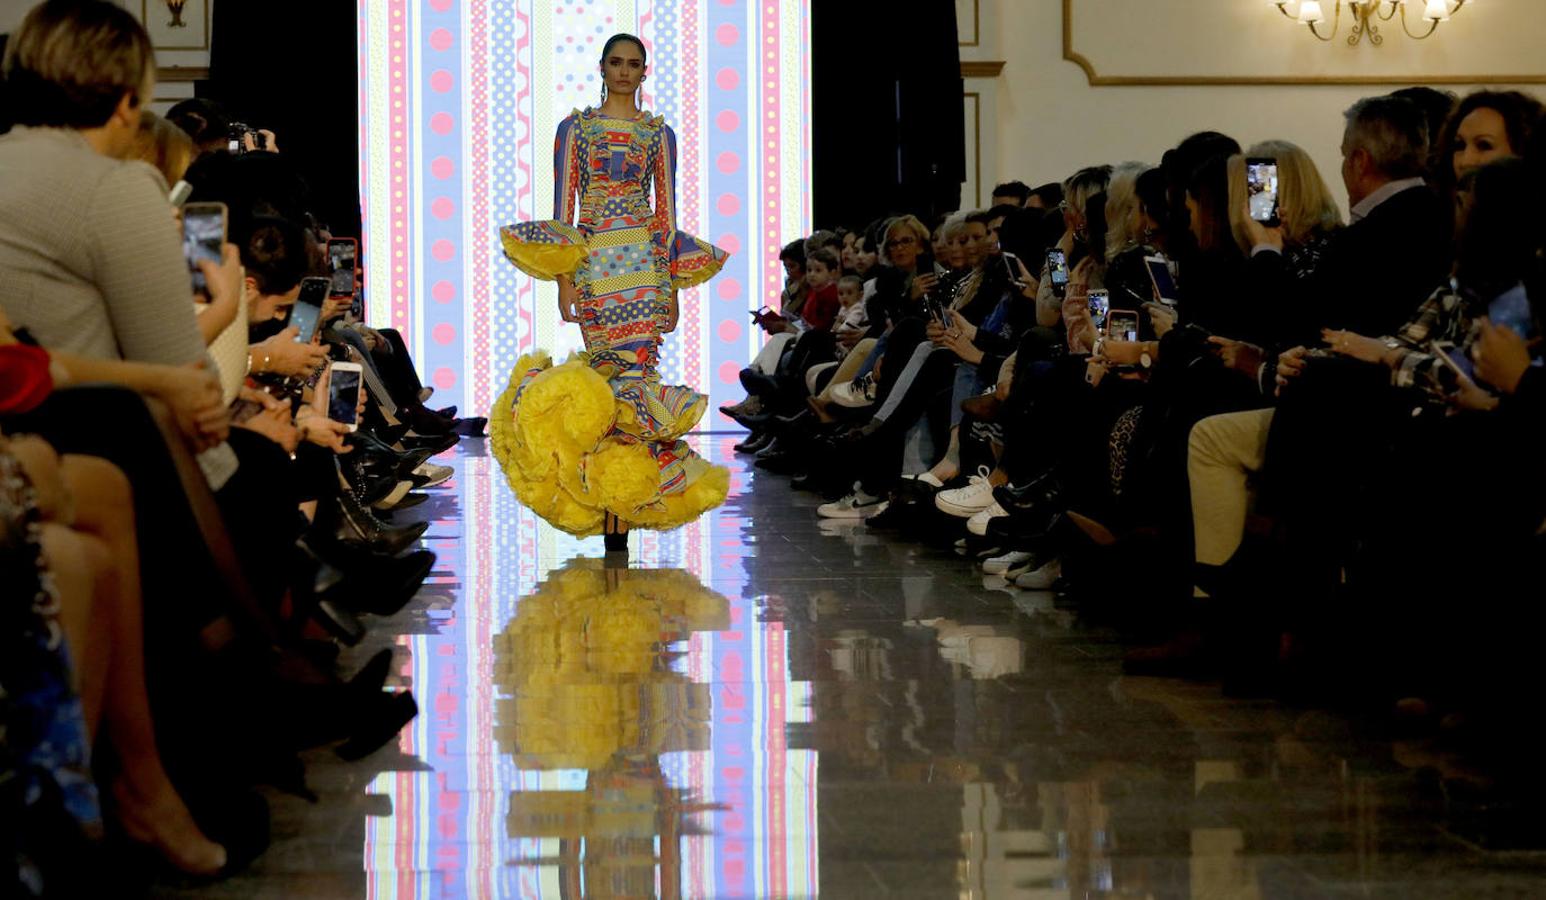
(543, 250)
(694, 261)
(549, 248)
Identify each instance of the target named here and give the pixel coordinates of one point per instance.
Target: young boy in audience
(821, 274)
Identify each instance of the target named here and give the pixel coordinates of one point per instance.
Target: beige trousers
(1224, 452)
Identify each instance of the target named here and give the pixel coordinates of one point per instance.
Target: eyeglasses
(901, 242)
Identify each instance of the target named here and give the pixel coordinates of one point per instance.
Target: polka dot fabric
(460, 100)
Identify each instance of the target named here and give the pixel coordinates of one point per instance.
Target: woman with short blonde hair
(1124, 225)
(899, 227)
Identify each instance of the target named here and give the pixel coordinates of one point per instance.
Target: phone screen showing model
(1261, 184)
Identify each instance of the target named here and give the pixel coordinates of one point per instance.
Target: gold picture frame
(171, 29)
(1098, 80)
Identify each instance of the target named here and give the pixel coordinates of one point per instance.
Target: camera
(238, 135)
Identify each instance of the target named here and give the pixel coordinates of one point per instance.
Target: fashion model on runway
(594, 445)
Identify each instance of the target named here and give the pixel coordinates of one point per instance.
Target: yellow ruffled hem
(543, 261)
(559, 462)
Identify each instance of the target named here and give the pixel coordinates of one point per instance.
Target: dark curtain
(888, 109)
(291, 66)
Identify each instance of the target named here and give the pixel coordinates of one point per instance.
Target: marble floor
(770, 706)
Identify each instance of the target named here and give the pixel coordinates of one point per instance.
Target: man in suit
(1397, 249)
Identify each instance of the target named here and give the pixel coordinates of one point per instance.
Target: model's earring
(603, 93)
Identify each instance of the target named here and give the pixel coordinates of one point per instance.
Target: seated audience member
(1077, 192)
(82, 521)
(1376, 271)
(90, 258)
(1011, 193)
(1485, 126)
(1048, 197)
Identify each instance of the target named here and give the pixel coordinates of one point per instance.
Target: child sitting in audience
(821, 274)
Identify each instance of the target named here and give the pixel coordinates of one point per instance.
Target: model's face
(1482, 138)
(623, 68)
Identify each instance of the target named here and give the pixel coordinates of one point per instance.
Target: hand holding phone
(342, 258)
(307, 312)
(1122, 325)
(1261, 185)
(1057, 270)
(204, 234)
(344, 394)
(1100, 306)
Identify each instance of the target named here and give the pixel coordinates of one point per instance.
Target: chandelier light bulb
(1438, 10)
(1310, 12)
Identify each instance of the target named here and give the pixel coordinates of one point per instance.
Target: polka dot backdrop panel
(460, 101)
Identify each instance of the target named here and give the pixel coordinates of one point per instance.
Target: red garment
(821, 308)
(25, 381)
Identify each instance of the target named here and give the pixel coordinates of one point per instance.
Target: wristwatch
(1144, 359)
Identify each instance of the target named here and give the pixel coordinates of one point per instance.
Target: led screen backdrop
(460, 101)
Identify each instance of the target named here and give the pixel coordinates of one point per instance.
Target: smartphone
(760, 314)
(1100, 307)
(926, 264)
(1057, 270)
(1122, 325)
(1261, 185)
(1453, 364)
(343, 394)
(1164, 283)
(204, 226)
(1012, 268)
(180, 193)
(342, 254)
(307, 311)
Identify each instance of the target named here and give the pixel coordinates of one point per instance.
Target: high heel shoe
(616, 538)
(351, 520)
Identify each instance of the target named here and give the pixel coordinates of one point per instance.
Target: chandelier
(1365, 16)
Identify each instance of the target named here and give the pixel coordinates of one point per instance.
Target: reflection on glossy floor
(769, 707)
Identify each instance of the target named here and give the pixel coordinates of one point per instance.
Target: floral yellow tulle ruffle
(554, 432)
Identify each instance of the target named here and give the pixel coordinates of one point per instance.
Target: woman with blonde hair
(1307, 212)
(164, 145)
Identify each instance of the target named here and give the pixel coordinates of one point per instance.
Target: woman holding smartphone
(595, 445)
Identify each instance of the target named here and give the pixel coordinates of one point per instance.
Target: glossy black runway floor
(769, 706)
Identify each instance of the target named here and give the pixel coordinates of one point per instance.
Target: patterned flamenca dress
(600, 433)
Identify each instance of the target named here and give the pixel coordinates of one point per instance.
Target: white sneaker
(855, 395)
(967, 501)
(857, 505)
(926, 478)
(1014, 559)
(978, 524)
(437, 474)
(1041, 579)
